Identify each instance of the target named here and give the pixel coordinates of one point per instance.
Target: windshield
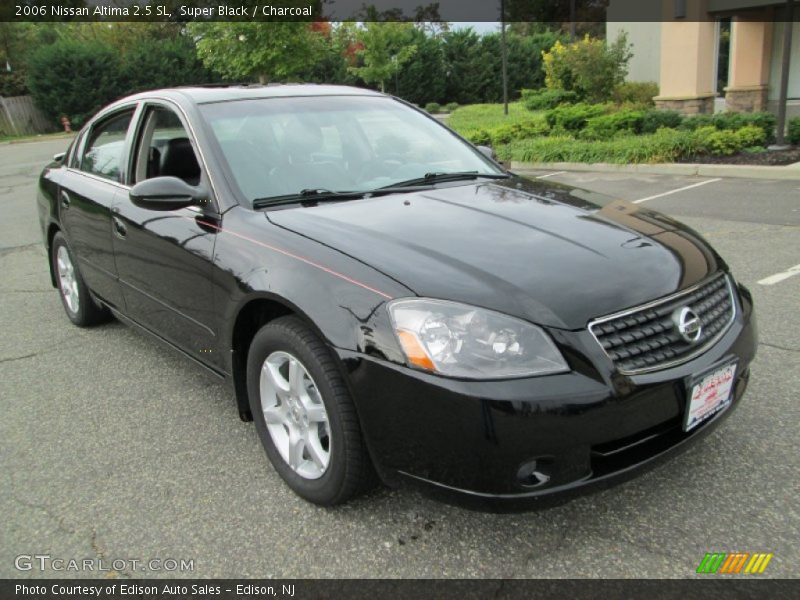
(281, 146)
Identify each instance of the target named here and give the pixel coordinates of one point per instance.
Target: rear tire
(78, 303)
(313, 438)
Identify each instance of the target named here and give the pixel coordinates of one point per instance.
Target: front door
(164, 258)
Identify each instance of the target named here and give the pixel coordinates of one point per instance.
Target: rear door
(164, 257)
(88, 188)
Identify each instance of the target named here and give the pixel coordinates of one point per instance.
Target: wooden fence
(19, 116)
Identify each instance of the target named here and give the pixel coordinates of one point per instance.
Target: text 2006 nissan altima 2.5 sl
(385, 298)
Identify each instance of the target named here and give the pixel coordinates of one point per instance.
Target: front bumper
(518, 441)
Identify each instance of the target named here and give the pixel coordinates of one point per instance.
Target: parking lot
(113, 446)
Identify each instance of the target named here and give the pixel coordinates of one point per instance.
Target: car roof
(227, 93)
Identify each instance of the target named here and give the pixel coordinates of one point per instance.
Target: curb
(45, 137)
(702, 170)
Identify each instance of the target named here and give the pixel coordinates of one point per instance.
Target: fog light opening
(535, 473)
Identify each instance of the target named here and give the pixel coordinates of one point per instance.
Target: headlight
(463, 341)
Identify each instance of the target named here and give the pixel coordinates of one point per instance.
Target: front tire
(78, 303)
(304, 415)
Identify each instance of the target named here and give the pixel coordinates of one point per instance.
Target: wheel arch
(252, 315)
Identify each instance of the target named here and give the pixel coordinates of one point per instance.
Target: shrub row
(600, 122)
(630, 92)
(435, 107)
(503, 134)
(546, 98)
(665, 145)
(732, 121)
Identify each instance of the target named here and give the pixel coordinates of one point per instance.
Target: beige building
(676, 44)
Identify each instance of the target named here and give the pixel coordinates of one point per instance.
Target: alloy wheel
(67, 279)
(295, 415)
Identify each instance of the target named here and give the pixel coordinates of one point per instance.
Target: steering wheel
(383, 165)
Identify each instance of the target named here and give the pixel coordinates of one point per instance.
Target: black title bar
(545, 11)
(302, 589)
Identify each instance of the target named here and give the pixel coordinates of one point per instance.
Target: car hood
(544, 252)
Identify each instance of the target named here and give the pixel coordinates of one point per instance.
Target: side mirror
(487, 151)
(59, 157)
(166, 193)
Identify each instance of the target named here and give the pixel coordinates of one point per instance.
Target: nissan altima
(386, 299)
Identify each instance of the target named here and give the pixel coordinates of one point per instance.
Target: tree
(74, 78)
(385, 48)
(150, 65)
(337, 53)
(462, 57)
(15, 42)
(424, 78)
(258, 51)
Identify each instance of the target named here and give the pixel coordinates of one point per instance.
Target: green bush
(635, 92)
(720, 141)
(751, 136)
(433, 107)
(450, 106)
(734, 121)
(12, 84)
(694, 122)
(653, 120)
(547, 98)
(665, 145)
(505, 133)
(724, 142)
(501, 135)
(607, 126)
(479, 137)
(591, 67)
(794, 131)
(573, 117)
(518, 131)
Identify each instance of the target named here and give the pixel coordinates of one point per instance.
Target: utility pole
(788, 26)
(571, 20)
(504, 52)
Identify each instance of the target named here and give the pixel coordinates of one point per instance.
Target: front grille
(647, 338)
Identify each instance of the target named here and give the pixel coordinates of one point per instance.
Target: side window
(102, 154)
(164, 149)
(74, 159)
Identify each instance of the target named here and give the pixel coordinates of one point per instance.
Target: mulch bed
(776, 158)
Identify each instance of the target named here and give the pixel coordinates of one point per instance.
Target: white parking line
(549, 175)
(773, 279)
(687, 187)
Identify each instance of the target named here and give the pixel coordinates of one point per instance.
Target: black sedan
(386, 299)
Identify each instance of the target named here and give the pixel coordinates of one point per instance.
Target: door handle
(119, 227)
(65, 199)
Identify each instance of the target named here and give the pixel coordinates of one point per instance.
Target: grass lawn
(475, 116)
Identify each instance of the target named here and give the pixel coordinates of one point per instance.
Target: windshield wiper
(307, 195)
(323, 195)
(438, 177)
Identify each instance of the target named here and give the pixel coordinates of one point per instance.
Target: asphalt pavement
(113, 446)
